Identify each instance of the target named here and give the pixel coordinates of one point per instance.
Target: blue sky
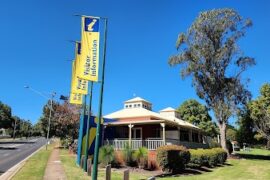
(141, 36)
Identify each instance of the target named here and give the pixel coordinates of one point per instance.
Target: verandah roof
(129, 113)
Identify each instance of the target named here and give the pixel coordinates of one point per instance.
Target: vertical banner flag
(75, 98)
(89, 59)
(78, 85)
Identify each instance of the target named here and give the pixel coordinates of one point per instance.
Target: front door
(136, 133)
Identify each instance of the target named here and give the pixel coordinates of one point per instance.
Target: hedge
(207, 157)
(172, 158)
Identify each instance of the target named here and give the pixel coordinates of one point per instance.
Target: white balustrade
(150, 143)
(153, 144)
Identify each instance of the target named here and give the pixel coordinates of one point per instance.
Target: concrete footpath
(54, 169)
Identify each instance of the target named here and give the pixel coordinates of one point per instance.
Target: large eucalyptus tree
(208, 52)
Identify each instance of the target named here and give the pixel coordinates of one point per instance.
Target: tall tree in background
(67, 119)
(197, 114)
(246, 132)
(260, 112)
(44, 119)
(209, 53)
(64, 120)
(5, 116)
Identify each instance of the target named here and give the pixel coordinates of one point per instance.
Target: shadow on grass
(187, 172)
(193, 171)
(252, 156)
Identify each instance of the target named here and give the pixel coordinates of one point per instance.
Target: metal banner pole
(96, 153)
(79, 148)
(87, 128)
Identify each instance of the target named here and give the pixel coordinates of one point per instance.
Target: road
(12, 152)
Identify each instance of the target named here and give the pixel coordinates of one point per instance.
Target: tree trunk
(222, 130)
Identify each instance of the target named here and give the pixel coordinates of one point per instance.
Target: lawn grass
(242, 169)
(35, 166)
(255, 165)
(262, 152)
(74, 172)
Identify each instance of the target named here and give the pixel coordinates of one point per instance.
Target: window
(136, 133)
(135, 105)
(157, 132)
(195, 137)
(130, 106)
(139, 105)
(184, 135)
(126, 106)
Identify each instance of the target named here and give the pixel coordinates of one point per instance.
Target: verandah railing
(150, 144)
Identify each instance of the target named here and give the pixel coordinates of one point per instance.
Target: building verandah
(151, 136)
(137, 125)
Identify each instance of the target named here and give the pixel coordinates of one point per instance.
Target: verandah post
(129, 135)
(163, 132)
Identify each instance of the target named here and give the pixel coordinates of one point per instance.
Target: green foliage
(231, 133)
(207, 157)
(5, 116)
(193, 112)
(209, 53)
(64, 120)
(24, 128)
(246, 132)
(260, 112)
(221, 155)
(197, 114)
(196, 157)
(106, 154)
(140, 155)
(172, 158)
(66, 142)
(214, 143)
(127, 154)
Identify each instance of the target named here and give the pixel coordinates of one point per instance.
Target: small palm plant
(140, 156)
(127, 153)
(106, 154)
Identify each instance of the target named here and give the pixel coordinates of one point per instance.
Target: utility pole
(50, 107)
(49, 124)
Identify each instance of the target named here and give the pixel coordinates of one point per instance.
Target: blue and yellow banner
(92, 134)
(89, 59)
(78, 85)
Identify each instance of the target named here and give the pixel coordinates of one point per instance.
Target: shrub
(106, 154)
(118, 159)
(210, 158)
(66, 142)
(207, 157)
(140, 156)
(172, 158)
(221, 155)
(196, 157)
(127, 154)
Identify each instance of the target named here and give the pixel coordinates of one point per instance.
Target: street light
(51, 99)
